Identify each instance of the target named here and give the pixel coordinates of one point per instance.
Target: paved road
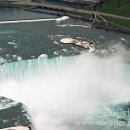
(61, 7)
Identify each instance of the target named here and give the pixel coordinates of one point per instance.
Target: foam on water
(71, 25)
(7, 32)
(12, 43)
(43, 56)
(2, 60)
(55, 53)
(35, 20)
(62, 18)
(19, 58)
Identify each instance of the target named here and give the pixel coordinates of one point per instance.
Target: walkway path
(61, 7)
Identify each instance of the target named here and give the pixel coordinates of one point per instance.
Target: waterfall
(25, 68)
(62, 90)
(117, 73)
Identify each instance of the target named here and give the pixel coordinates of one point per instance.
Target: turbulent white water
(35, 20)
(71, 25)
(62, 89)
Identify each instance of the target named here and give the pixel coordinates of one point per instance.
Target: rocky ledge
(14, 114)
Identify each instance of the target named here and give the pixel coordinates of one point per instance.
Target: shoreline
(62, 12)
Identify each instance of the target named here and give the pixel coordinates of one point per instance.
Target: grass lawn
(79, 13)
(121, 22)
(119, 7)
(35, 0)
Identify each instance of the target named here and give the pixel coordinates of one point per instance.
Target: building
(84, 1)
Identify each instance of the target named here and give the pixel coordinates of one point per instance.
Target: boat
(79, 42)
(14, 115)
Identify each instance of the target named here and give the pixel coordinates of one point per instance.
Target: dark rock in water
(13, 114)
(123, 121)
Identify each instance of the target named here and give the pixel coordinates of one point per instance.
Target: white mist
(72, 90)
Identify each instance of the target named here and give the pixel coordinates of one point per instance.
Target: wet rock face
(122, 121)
(13, 114)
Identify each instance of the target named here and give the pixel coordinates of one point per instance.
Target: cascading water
(62, 90)
(25, 68)
(19, 70)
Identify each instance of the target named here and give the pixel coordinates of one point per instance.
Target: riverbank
(108, 25)
(89, 16)
(111, 27)
(118, 7)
